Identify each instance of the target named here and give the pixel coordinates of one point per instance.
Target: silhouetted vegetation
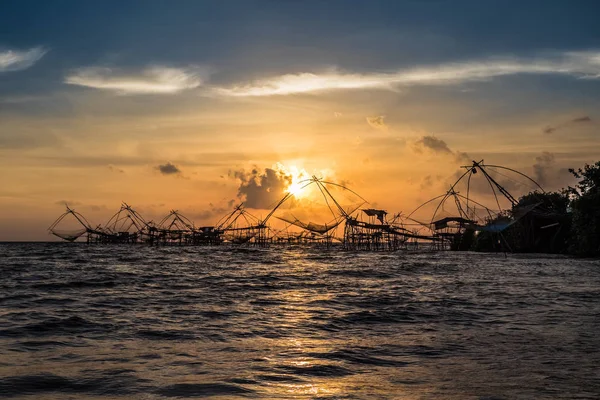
(564, 222)
(585, 206)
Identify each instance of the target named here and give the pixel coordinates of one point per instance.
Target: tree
(547, 227)
(557, 202)
(590, 179)
(585, 204)
(542, 225)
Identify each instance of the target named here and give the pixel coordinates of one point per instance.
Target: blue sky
(257, 37)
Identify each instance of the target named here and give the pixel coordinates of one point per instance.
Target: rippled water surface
(152, 323)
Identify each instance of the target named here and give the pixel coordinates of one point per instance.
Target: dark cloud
(261, 189)
(432, 143)
(439, 146)
(582, 119)
(579, 120)
(168, 169)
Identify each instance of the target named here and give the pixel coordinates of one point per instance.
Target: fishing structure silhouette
(367, 229)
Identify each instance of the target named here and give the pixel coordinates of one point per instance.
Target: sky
(200, 105)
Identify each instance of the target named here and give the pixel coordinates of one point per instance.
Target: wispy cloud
(16, 60)
(584, 64)
(542, 166)
(306, 82)
(377, 122)
(156, 79)
(586, 119)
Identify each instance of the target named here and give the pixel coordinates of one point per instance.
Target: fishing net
(69, 226)
(68, 235)
(310, 226)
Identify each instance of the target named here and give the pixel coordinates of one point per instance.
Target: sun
(295, 188)
(297, 177)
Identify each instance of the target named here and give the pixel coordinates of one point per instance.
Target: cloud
(168, 169)
(261, 189)
(302, 83)
(585, 118)
(575, 121)
(585, 65)
(16, 60)
(432, 143)
(428, 182)
(438, 146)
(377, 122)
(542, 166)
(462, 157)
(69, 203)
(152, 80)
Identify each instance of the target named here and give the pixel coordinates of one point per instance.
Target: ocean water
(94, 322)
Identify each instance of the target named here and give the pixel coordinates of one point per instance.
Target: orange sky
(97, 160)
(92, 127)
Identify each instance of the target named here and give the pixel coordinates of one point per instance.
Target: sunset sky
(199, 105)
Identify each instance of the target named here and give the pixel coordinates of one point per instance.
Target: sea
(133, 322)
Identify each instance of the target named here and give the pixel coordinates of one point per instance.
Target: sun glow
(298, 179)
(295, 188)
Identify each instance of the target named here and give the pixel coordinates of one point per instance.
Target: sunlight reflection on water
(134, 322)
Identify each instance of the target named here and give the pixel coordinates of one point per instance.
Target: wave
(107, 382)
(56, 327)
(202, 390)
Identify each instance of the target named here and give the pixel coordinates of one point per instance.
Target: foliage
(543, 229)
(590, 180)
(585, 204)
(557, 202)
